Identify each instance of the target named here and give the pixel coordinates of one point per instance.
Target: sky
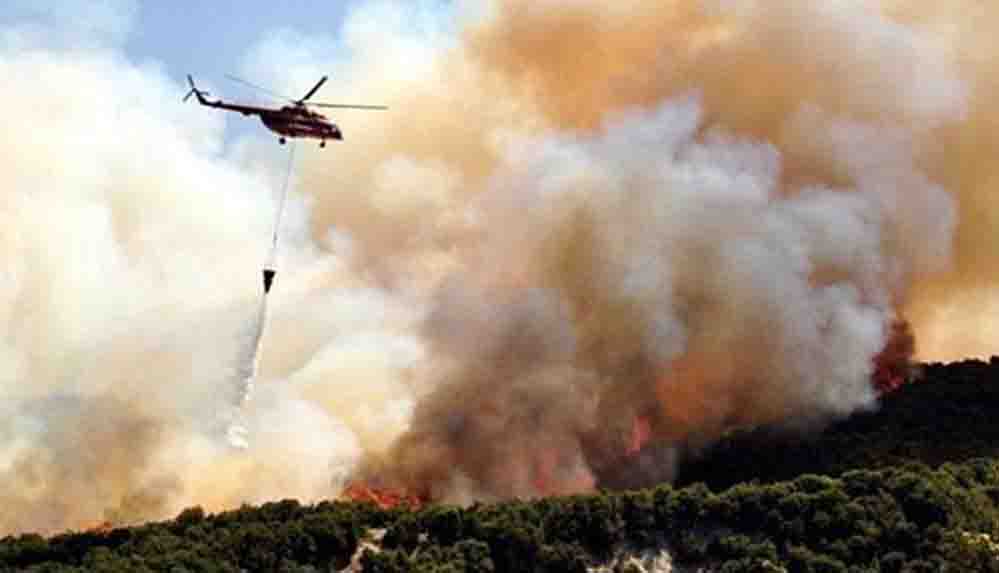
(212, 38)
(207, 39)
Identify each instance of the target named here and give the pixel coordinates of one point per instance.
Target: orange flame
(383, 498)
(892, 365)
(641, 433)
(100, 527)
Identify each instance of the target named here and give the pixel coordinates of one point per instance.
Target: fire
(555, 471)
(641, 433)
(892, 365)
(383, 498)
(100, 527)
(544, 470)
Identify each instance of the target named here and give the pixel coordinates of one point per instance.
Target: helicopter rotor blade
(256, 87)
(313, 90)
(348, 106)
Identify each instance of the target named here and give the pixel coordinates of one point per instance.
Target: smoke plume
(582, 230)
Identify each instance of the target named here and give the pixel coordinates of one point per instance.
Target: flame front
(383, 498)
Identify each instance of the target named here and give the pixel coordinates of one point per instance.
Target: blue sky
(212, 38)
(209, 39)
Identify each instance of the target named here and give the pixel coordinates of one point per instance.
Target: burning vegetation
(638, 448)
(893, 366)
(383, 498)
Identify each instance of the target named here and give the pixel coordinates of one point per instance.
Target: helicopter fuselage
(297, 122)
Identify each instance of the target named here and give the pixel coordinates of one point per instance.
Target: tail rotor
(194, 90)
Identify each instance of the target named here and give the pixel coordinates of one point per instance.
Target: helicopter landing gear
(322, 143)
(282, 141)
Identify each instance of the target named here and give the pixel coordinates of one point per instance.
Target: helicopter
(295, 120)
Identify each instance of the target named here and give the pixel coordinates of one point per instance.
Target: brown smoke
(96, 463)
(758, 63)
(952, 313)
(852, 97)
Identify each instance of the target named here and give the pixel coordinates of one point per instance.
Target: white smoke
(134, 248)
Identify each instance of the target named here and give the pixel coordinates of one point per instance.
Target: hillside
(911, 487)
